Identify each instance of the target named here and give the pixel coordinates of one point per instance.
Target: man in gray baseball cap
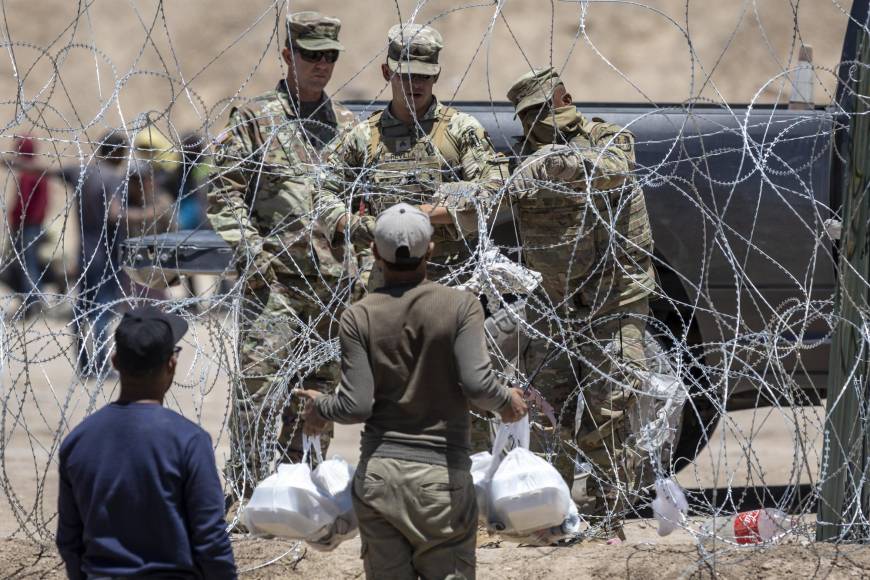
(413, 360)
(402, 237)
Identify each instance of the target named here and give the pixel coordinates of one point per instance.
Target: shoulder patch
(603, 133)
(267, 96)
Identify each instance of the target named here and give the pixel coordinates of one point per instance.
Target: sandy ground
(637, 560)
(749, 448)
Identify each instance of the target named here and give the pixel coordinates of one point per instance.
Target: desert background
(76, 68)
(70, 71)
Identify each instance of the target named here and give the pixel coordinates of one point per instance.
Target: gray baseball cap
(313, 31)
(402, 225)
(414, 49)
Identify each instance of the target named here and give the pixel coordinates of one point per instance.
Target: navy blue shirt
(140, 495)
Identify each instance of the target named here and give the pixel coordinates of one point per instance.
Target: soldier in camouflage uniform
(416, 150)
(422, 152)
(584, 226)
(262, 204)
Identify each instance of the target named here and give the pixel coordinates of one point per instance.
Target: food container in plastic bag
(334, 477)
(524, 496)
(527, 494)
(480, 463)
(287, 504)
(290, 504)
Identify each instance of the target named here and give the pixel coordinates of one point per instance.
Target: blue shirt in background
(140, 495)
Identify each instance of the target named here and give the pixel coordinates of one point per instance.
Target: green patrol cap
(533, 88)
(414, 49)
(313, 31)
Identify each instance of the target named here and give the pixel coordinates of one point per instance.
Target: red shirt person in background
(26, 218)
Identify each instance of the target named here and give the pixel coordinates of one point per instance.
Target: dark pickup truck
(738, 198)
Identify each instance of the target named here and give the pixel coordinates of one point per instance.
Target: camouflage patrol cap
(533, 88)
(414, 49)
(313, 31)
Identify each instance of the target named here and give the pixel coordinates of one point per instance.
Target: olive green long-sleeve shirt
(413, 358)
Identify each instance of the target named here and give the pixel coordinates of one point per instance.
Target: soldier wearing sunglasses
(261, 203)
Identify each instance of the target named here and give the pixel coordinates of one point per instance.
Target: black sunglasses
(329, 56)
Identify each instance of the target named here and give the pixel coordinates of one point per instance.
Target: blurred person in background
(152, 146)
(97, 185)
(146, 210)
(26, 220)
(192, 200)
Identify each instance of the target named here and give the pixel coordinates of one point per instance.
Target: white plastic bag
(670, 506)
(525, 497)
(527, 494)
(289, 505)
(334, 478)
(480, 463)
(656, 416)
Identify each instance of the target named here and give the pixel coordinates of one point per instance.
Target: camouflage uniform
(444, 158)
(262, 204)
(584, 226)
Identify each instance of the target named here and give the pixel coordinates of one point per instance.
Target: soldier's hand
(527, 178)
(516, 408)
(538, 170)
(454, 192)
(552, 163)
(261, 272)
(562, 163)
(561, 167)
(360, 230)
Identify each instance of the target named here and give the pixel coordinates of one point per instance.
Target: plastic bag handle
(309, 443)
(509, 436)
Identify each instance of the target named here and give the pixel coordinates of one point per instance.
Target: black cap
(146, 337)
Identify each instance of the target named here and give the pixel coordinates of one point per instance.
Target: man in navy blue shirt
(139, 489)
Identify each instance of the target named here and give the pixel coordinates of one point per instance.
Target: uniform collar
(290, 104)
(433, 112)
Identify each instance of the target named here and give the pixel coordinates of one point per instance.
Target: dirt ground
(264, 559)
(748, 448)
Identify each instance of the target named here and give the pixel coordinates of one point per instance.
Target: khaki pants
(415, 520)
